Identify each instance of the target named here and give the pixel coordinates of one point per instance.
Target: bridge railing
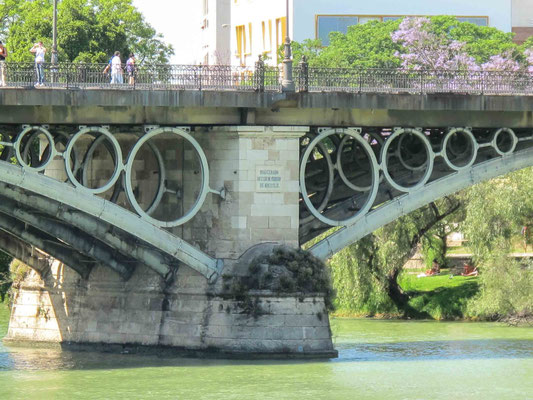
(409, 81)
(266, 78)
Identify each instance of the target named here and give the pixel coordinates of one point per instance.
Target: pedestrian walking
(116, 69)
(39, 50)
(3, 56)
(130, 69)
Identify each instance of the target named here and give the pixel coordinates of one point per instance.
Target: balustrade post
(303, 82)
(260, 74)
(200, 77)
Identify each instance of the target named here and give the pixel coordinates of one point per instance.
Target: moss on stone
(283, 271)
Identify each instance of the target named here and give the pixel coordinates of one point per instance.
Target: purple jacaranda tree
(501, 63)
(424, 49)
(529, 58)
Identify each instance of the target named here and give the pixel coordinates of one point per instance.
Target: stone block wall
(104, 310)
(249, 215)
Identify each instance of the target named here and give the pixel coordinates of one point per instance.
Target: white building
(258, 27)
(215, 28)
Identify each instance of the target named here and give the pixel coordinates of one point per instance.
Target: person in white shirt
(3, 56)
(116, 69)
(39, 51)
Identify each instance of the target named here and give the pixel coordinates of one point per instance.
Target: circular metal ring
(473, 142)
(375, 177)
(36, 130)
(118, 187)
(118, 159)
(342, 175)
(205, 178)
(494, 141)
(429, 164)
(403, 162)
(329, 188)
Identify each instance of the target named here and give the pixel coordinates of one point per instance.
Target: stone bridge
(136, 207)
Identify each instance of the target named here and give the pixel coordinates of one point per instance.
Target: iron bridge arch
(42, 218)
(359, 179)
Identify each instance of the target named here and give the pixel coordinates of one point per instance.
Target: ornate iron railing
(266, 78)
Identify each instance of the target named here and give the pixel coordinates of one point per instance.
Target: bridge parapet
(265, 78)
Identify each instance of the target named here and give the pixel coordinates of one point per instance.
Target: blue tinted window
(385, 19)
(481, 21)
(330, 23)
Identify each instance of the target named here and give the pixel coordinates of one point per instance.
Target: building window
(267, 36)
(241, 41)
(325, 24)
(249, 43)
(364, 20)
(206, 6)
(281, 33)
(481, 21)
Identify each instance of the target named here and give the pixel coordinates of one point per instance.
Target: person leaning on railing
(39, 50)
(116, 69)
(3, 56)
(130, 69)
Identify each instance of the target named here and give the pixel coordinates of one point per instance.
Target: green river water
(377, 360)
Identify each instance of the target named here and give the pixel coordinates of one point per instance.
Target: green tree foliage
(364, 46)
(370, 45)
(365, 274)
(482, 42)
(5, 278)
(506, 289)
(496, 212)
(88, 30)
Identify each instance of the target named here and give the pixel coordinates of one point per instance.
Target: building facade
(258, 27)
(215, 28)
(522, 14)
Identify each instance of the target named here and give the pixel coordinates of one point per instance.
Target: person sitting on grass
(469, 270)
(435, 270)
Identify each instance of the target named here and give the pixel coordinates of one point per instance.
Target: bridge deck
(201, 107)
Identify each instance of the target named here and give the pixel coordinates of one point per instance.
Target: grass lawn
(440, 296)
(517, 247)
(458, 250)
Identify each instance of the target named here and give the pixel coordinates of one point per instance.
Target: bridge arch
(443, 162)
(72, 224)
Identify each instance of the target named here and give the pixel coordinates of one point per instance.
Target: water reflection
(435, 350)
(33, 359)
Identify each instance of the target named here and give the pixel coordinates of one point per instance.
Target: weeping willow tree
(494, 216)
(498, 213)
(365, 274)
